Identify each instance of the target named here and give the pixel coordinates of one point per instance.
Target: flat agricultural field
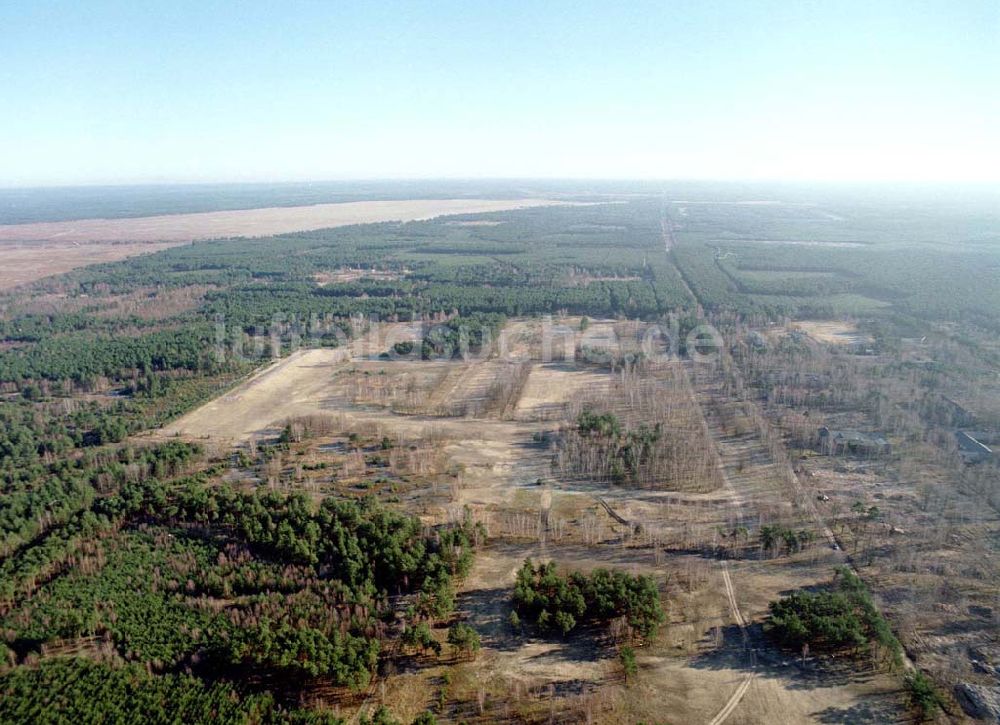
(34, 251)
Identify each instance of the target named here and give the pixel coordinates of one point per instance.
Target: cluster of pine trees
(558, 603)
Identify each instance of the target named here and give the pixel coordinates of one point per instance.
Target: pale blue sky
(106, 92)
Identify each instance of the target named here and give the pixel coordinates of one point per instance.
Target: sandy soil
(832, 332)
(776, 696)
(253, 222)
(552, 385)
(297, 385)
(805, 243)
(352, 275)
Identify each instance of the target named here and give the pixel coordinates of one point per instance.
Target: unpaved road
(734, 701)
(737, 696)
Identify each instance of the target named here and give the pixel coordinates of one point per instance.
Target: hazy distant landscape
(547, 363)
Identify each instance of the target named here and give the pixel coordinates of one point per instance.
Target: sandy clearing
(698, 683)
(552, 386)
(342, 275)
(800, 243)
(832, 332)
(744, 202)
(689, 693)
(297, 385)
(254, 222)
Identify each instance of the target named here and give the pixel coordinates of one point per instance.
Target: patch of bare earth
(340, 276)
(832, 332)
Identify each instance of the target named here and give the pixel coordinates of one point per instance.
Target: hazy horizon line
(789, 181)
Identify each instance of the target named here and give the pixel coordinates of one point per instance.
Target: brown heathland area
(24, 263)
(253, 222)
(33, 251)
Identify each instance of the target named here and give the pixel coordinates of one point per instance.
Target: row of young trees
(669, 454)
(84, 357)
(49, 495)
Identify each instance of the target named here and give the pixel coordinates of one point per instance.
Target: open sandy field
(550, 384)
(296, 385)
(32, 251)
(832, 332)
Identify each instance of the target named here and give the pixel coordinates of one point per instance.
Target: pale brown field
(832, 332)
(32, 251)
(27, 262)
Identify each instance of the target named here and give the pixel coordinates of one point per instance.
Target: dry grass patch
(31, 261)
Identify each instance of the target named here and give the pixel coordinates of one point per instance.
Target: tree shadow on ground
(862, 713)
(488, 610)
(760, 655)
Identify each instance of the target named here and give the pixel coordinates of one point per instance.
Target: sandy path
(734, 701)
(737, 696)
